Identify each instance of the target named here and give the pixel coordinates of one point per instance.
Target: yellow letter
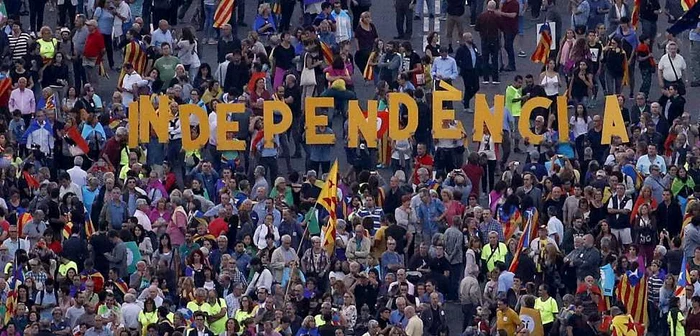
(134, 124)
(440, 114)
(563, 119)
(357, 123)
(484, 116)
(148, 117)
(224, 126)
(613, 124)
(395, 101)
(188, 143)
(269, 109)
(313, 121)
(524, 123)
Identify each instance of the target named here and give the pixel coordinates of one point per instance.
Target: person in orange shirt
(506, 318)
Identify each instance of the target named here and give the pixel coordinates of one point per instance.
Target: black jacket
(237, 76)
(465, 63)
(193, 332)
(226, 47)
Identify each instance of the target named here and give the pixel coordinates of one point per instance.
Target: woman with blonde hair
(308, 327)
(349, 310)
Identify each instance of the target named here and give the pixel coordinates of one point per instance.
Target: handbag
(308, 76)
(680, 85)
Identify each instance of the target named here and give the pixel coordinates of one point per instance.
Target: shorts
(623, 235)
(521, 25)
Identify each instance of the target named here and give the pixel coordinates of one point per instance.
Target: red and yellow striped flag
(541, 53)
(625, 71)
(223, 12)
(368, 72)
(687, 4)
(327, 52)
(135, 54)
(67, 230)
(634, 20)
(328, 199)
(632, 290)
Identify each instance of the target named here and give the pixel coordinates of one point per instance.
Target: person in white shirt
(130, 84)
(343, 23)
(130, 312)
(141, 216)
(555, 228)
(122, 15)
(671, 66)
(77, 174)
(67, 186)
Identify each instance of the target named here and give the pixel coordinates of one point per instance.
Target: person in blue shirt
(430, 213)
(325, 15)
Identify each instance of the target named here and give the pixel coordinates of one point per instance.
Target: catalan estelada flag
(625, 325)
(328, 199)
(689, 20)
(632, 291)
(23, 218)
(121, 286)
(368, 72)
(686, 220)
(683, 277)
(525, 238)
(134, 54)
(510, 219)
(11, 302)
(223, 12)
(89, 227)
(97, 279)
(542, 50)
(327, 52)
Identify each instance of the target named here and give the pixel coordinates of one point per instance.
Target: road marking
(426, 23)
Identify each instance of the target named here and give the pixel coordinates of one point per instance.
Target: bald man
(467, 58)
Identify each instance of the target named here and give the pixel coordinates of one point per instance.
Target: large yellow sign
(143, 117)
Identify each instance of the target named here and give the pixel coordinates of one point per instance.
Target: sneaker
(486, 82)
(522, 54)
(496, 83)
(468, 110)
(443, 17)
(213, 42)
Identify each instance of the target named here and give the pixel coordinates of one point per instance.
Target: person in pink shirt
(22, 99)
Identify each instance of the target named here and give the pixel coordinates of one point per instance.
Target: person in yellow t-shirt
(506, 318)
(548, 308)
(217, 313)
(199, 303)
(247, 310)
(148, 315)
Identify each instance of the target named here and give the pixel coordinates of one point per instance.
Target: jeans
(695, 60)
(468, 312)
(649, 29)
(209, 30)
(79, 72)
(646, 81)
(476, 7)
(456, 271)
(321, 167)
(505, 147)
(108, 47)
(287, 13)
(36, 14)
(270, 164)
(66, 10)
(490, 50)
(613, 84)
(487, 180)
(508, 46)
(419, 7)
(404, 22)
(632, 65)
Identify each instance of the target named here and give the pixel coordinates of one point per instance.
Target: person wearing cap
(94, 50)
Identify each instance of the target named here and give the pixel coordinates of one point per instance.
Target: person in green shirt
(548, 308)
(513, 103)
(166, 64)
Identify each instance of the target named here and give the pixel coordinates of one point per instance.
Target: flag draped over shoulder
(625, 71)
(97, 278)
(135, 54)
(223, 12)
(328, 199)
(632, 291)
(689, 20)
(327, 52)
(634, 20)
(541, 53)
(686, 220)
(524, 241)
(11, 302)
(89, 227)
(121, 286)
(532, 320)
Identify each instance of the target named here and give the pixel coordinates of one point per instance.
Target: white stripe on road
(426, 23)
(436, 23)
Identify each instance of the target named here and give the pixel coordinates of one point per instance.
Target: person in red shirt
(219, 225)
(474, 171)
(170, 178)
(113, 148)
(92, 55)
(422, 160)
(509, 26)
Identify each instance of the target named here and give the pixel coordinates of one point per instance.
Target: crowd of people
(102, 238)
